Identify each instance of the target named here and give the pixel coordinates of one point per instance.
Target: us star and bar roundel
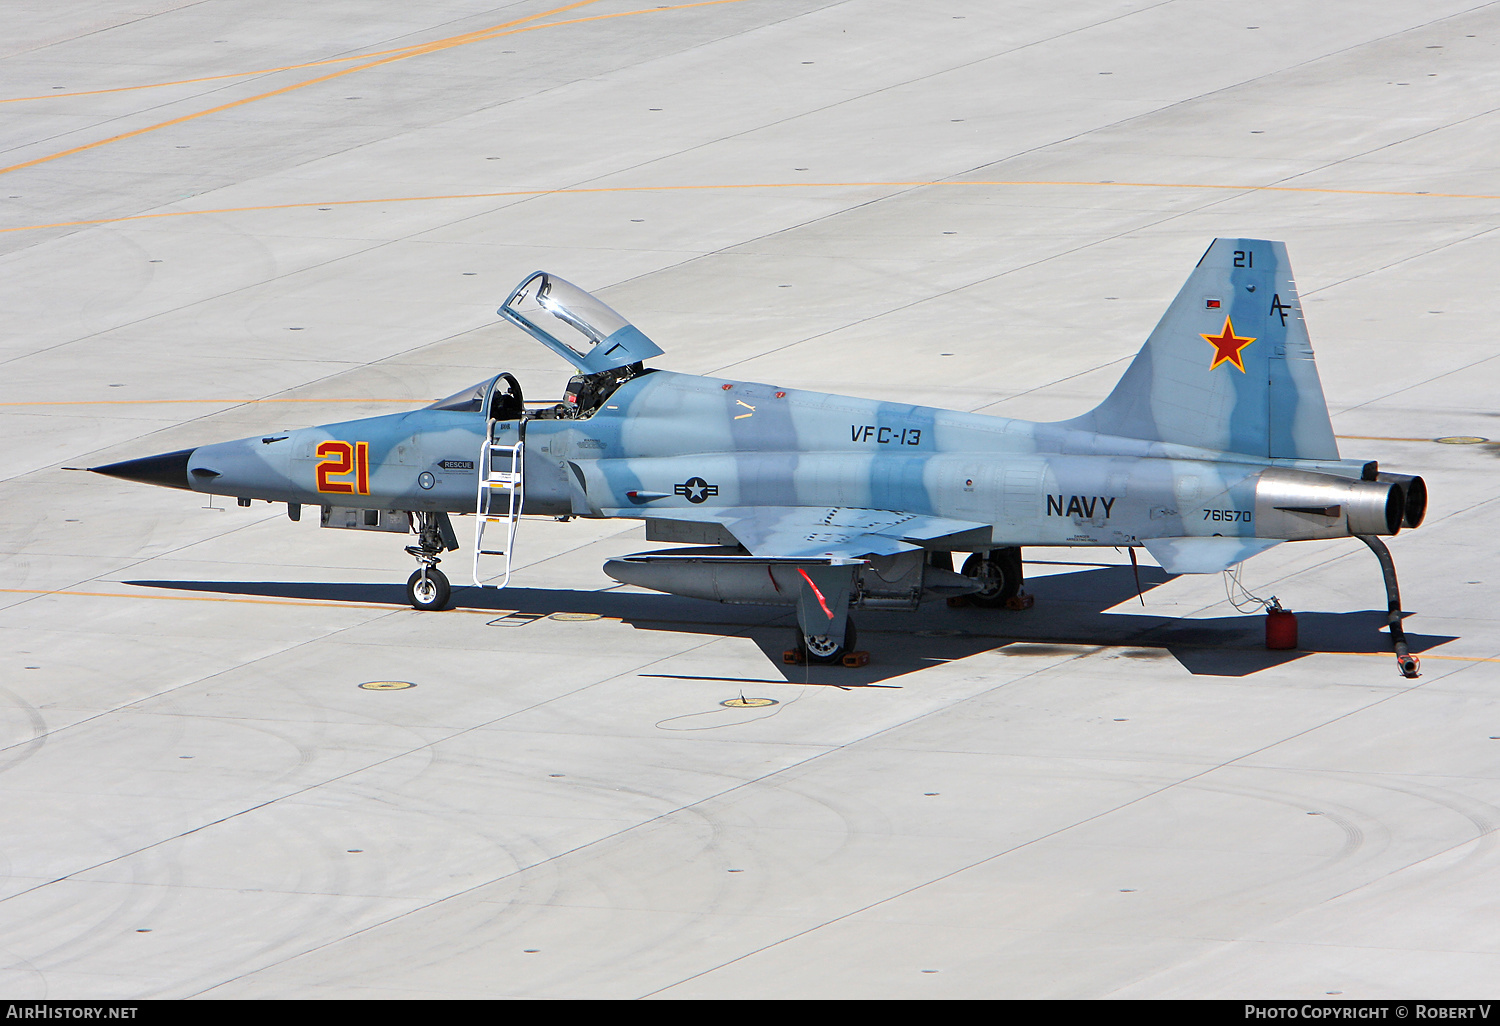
(1227, 346)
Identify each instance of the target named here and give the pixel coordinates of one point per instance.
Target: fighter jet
(1215, 446)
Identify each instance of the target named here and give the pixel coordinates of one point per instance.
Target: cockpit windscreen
(468, 400)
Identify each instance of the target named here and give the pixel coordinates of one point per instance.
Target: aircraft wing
(824, 531)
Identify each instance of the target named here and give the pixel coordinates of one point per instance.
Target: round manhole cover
(387, 685)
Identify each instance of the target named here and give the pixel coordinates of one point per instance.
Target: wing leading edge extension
(824, 533)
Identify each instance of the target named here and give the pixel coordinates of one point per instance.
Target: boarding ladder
(502, 493)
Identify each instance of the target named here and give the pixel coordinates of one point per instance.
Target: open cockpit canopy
(576, 325)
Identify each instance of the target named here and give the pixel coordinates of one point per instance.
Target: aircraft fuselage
(665, 440)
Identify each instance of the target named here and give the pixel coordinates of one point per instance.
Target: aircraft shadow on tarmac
(1070, 617)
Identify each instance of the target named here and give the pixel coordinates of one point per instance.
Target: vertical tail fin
(1228, 367)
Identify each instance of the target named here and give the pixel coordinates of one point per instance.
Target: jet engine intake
(1296, 504)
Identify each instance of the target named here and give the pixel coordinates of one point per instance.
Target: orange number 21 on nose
(336, 459)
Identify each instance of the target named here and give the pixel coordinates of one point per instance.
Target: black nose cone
(170, 469)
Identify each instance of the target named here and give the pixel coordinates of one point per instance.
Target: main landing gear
(826, 649)
(427, 588)
(825, 633)
(999, 575)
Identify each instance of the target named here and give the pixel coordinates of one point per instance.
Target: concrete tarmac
(227, 217)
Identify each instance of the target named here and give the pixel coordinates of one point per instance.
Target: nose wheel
(427, 589)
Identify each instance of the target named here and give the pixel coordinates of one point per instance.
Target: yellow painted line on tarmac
(584, 191)
(478, 34)
(441, 44)
(1295, 652)
(1419, 655)
(452, 40)
(504, 29)
(201, 402)
(231, 402)
(196, 598)
(279, 602)
(580, 616)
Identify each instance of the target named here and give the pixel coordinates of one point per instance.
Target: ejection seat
(506, 401)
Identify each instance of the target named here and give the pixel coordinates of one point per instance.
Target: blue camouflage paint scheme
(1203, 463)
(1275, 408)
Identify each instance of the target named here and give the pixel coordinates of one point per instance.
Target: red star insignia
(1227, 346)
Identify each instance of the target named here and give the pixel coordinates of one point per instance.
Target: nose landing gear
(427, 588)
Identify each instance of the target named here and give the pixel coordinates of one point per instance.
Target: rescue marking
(387, 685)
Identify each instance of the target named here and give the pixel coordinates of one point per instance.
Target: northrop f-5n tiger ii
(1214, 446)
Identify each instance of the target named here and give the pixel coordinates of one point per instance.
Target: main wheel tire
(822, 648)
(427, 589)
(999, 572)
